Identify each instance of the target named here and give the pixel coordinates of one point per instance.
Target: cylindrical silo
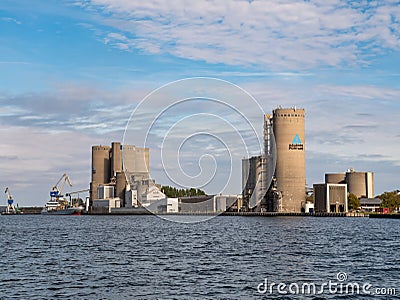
(120, 187)
(289, 131)
(336, 178)
(357, 183)
(100, 168)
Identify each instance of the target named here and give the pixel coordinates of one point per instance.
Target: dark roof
(370, 201)
(195, 199)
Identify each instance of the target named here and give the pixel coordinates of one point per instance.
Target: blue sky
(72, 72)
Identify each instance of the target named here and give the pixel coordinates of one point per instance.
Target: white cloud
(341, 120)
(7, 19)
(286, 35)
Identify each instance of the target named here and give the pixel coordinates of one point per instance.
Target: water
(145, 257)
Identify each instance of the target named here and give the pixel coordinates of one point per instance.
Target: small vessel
(58, 205)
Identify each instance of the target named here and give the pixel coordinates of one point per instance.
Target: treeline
(173, 192)
(390, 199)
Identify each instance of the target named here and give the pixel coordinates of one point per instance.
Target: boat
(59, 206)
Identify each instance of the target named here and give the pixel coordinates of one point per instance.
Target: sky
(73, 72)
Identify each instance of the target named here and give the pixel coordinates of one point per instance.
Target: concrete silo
(335, 178)
(289, 130)
(360, 184)
(100, 168)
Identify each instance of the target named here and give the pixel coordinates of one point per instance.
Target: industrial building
(360, 184)
(287, 190)
(253, 179)
(120, 177)
(330, 197)
(204, 204)
(121, 181)
(370, 204)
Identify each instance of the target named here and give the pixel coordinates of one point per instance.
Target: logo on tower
(296, 143)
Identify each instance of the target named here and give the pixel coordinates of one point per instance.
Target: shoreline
(139, 212)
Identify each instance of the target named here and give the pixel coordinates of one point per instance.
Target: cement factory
(284, 190)
(272, 182)
(287, 190)
(121, 183)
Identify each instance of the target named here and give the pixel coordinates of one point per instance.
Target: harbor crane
(57, 192)
(10, 203)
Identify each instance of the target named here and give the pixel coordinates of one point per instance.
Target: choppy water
(145, 257)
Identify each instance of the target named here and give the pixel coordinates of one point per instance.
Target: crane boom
(7, 191)
(77, 192)
(57, 192)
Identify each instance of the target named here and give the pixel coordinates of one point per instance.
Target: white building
(172, 205)
(223, 202)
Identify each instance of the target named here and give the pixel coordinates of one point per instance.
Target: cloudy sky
(72, 72)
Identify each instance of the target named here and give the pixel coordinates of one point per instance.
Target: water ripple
(144, 257)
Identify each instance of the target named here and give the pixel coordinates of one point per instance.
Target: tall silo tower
(289, 130)
(100, 168)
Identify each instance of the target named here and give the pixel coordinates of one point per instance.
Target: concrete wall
(116, 158)
(337, 197)
(254, 179)
(120, 187)
(329, 197)
(100, 168)
(320, 204)
(135, 160)
(105, 206)
(223, 202)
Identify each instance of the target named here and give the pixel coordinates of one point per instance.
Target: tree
(390, 200)
(173, 192)
(353, 202)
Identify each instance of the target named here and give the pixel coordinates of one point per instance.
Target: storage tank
(360, 184)
(100, 168)
(336, 178)
(289, 130)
